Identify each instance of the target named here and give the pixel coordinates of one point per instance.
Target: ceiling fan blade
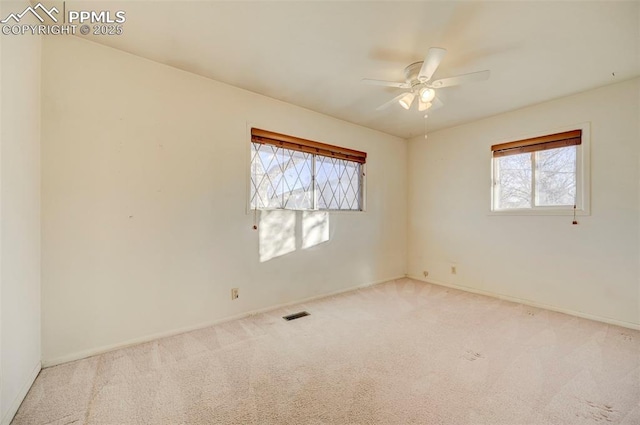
(385, 83)
(431, 63)
(461, 79)
(391, 102)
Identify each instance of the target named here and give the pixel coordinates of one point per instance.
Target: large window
(298, 174)
(540, 173)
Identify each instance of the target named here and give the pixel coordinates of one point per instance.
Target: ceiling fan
(418, 82)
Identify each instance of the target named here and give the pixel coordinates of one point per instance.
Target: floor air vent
(296, 315)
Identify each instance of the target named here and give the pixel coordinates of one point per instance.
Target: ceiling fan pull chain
(425, 125)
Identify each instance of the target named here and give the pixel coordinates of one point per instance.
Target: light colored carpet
(402, 352)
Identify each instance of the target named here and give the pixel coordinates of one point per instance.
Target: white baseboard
(597, 318)
(15, 405)
(104, 349)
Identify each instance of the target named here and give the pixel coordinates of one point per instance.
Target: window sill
(540, 211)
(252, 211)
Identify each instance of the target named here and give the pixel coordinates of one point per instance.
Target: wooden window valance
(303, 145)
(551, 141)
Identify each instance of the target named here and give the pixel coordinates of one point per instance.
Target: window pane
(338, 184)
(556, 176)
(280, 178)
(513, 188)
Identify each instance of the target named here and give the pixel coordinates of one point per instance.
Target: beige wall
(19, 215)
(590, 269)
(145, 228)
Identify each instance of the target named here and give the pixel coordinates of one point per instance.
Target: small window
(541, 173)
(297, 174)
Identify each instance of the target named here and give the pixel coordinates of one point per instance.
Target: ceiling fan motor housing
(411, 73)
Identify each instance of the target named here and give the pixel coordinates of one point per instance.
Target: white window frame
(248, 170)
(583, 179)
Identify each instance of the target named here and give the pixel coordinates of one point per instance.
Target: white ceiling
(314, 54)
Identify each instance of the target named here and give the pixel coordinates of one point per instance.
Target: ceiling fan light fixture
(407, 100)
(423, 106)
(427, 94)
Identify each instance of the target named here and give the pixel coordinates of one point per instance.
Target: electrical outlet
(454, 270)
(234, 293)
